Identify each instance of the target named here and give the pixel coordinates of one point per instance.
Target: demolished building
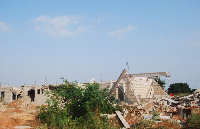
(131, 88)
(137, 88)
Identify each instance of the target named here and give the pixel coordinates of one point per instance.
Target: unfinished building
(9, 94)
(28, 93)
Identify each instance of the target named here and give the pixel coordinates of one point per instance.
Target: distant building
(27, 93)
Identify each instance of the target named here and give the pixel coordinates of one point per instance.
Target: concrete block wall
(120, 92)
(7, 94)
(158, 91)
(135, 99)
(145, 100)
(103, 85)
(40, 97)
(25, 96)
(144, 89)
(38, 94)
(141, 86)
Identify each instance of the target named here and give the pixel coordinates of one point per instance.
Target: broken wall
(34, 94)
(40, 97)
(138, 88)
(6, 94)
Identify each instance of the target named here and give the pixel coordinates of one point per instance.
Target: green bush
(71, 106)
(143, 124)
(193, 121)
(156, 115)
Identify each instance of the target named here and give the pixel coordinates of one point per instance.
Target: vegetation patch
(71, 106)
(193, 121)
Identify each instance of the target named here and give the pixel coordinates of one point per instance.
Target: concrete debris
(143, 98)
(23, 127)
(171, 109)
(109, 116)
(148, 117)
(121, 118)
(165, 117)
(16, 115)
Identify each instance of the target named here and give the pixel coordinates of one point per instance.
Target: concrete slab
(23, 127)
(126, 125)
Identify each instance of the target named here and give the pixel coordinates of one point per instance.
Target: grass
(181, 94)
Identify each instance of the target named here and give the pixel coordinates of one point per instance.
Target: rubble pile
(15, 104)
(17, 114)
(165, 112)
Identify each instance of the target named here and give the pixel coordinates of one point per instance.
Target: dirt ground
(17, 113)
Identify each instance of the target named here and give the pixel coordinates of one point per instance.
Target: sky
(79, 40)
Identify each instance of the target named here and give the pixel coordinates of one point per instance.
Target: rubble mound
(166, 125)
(16, 114)
(15, 104)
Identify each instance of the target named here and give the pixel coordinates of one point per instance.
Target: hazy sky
(80, 40)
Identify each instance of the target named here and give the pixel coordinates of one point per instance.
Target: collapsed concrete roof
(150, 75)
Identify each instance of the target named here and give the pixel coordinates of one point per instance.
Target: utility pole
(127, 65)
(35, 81)
(45, 80)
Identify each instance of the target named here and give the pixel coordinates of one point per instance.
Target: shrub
(143, 124)
(71, 106)
(156, 115)
(193, 121)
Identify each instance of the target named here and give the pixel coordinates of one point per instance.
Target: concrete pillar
(116, 95)
(128, 89)
(15, 97)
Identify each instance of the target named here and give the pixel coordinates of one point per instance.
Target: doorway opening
(13, 97)
(31, 94)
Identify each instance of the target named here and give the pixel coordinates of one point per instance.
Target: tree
(193, 90)
(179, 88)
(71, 106)
(161, 83)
